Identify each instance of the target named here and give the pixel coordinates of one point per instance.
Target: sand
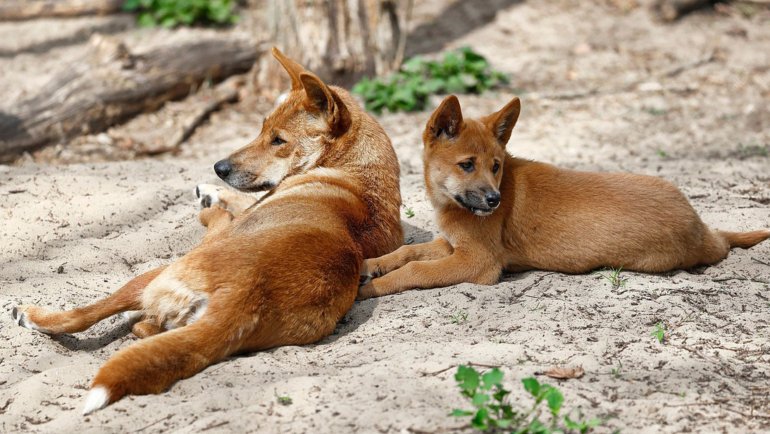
(73, 233)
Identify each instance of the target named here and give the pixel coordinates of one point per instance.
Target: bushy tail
(154, 364)
(745, 239)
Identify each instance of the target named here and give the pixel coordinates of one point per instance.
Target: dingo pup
(281, 271)
(499, 213)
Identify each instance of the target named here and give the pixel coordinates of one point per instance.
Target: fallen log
(112, 85)
(14, 10)
(671, 10)
(181, 119)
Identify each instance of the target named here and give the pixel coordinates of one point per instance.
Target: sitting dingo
(281, 271)
(499, 213)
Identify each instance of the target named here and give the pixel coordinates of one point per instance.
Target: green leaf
(414, 65)
(480, 399)
(168, 22)
(480, 420)
(468, 379)
(461, 413)
(571, 424)
(146, 20)
(500, 394)
(503, 423)
(532, 386)
(555, 399)
(454, 84)
(131, 5)
(492, 378)
(471, 55)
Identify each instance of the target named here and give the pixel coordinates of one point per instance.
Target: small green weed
(616, 370)
(283, 400)
(461, 317)
(659, 332)
(173, 13)
(493, 412)
(409, 213)
(460, 71)
(753, 150)
(662, 154)
(614, 277)
(655, 111)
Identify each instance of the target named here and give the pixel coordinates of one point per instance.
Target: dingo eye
(277, 141)
(466, 166)
(495, 167)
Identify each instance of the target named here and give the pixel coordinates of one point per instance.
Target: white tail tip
(97, 398)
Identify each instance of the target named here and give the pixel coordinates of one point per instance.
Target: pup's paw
(208, 194)
(25, 317)
(370, 269)
(366, 291)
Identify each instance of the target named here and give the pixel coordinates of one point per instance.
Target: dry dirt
(603, 88)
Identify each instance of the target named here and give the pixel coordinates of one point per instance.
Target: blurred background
(102, 80)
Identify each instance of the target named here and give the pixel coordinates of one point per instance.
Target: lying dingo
(500, 213)
(281, 271)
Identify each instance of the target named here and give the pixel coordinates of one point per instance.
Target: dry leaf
(564, 373)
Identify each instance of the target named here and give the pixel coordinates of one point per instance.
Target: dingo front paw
(370, 270)
(208, 194)
(365, 291)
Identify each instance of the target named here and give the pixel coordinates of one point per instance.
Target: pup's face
(293, 138)
(464, 159)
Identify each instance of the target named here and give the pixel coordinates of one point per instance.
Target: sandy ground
(602, 90)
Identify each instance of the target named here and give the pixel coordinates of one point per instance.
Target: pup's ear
(323, 100)
(502, 122)
(447, 119)
(293, 68)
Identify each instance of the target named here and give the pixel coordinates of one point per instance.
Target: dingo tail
(745, 239)
(154, 364)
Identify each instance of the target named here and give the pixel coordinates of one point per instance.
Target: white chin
(482, 213)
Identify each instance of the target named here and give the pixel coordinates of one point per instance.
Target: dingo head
(464, 159)
(294, 136)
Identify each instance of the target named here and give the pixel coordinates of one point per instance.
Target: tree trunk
(339, 40)
(91, 95)
(12, 10)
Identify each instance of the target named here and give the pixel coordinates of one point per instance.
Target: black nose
(492, 198)
(223, 168)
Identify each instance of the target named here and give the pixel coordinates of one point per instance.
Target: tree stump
(339, 40)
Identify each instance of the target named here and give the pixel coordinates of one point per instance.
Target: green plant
(283, 399)
(172, 13)
(655, 111)
(616, 370)
(460, 71)
(662, 154)
(752, 150)
(493, 411)
(614, 277)
(409, 213)
(460, 317)
(659, 332)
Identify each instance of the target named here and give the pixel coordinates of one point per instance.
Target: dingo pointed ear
(322, 99)
(502, 122)
(293, 68)
(447, 119)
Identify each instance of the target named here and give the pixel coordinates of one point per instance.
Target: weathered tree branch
(14, 10)
(90, 96)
